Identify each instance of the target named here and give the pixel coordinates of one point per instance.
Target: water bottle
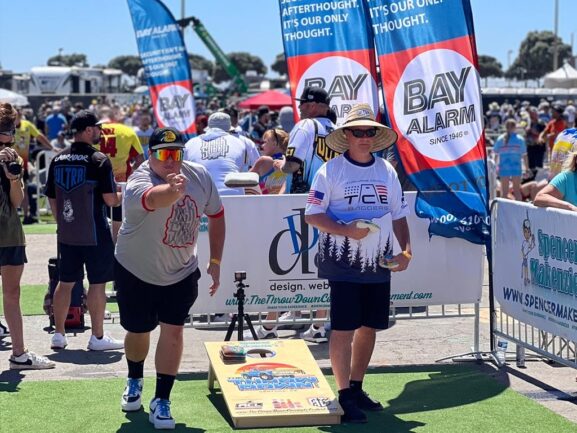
(501, 351)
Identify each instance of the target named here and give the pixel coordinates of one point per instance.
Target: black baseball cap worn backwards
(314, 94)
(163, 138)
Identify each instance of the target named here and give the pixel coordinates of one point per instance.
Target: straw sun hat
(361, 115)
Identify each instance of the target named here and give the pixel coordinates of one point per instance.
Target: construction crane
(218, 54)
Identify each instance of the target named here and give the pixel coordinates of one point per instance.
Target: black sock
(135, 369)
(346, 394)
(356, 385)
(164, 384)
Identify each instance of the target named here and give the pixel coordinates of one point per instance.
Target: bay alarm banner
(329, 44)
(166, 65)
(428, 61)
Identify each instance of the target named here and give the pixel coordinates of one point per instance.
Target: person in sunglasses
(12, 244)
(80, 185)
(357, 204)
(157, 268)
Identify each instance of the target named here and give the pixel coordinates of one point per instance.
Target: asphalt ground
(407, 342)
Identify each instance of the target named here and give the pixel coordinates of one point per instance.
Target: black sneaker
(352, 415)
(365, 402)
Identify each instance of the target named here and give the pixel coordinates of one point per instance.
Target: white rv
(65, 80)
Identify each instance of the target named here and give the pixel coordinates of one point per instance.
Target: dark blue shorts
(143, 305)
(98, 259)
(359, 304)
(117, 214)
(12, 256)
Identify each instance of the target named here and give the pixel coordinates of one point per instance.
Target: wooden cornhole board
(279, 384)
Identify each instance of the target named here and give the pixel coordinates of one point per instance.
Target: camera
(239, 276)
(13, 168)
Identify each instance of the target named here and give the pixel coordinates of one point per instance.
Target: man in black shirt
(80, 185)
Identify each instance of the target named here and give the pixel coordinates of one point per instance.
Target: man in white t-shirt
(357, 204)
(219, 152)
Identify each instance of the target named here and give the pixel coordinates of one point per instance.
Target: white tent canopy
(13, 98)
(565, 77)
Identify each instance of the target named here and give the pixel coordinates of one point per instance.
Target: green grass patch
(40, 229)
(32, 300)
(420, 399)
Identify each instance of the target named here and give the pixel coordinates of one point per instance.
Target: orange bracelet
(215, 262)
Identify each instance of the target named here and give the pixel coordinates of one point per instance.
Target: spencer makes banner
(329, 44)
(166, 65)
(428, 61)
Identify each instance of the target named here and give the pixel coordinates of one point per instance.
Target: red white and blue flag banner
(329, 44)
(166, 65)
(428, 59)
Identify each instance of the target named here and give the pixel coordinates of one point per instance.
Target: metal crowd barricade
(43, 161)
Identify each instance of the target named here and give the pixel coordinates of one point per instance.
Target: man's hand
(214, 271)
(177, 183)
(356, 233)
(403, 262)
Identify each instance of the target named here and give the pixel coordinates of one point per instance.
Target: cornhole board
(279, 384)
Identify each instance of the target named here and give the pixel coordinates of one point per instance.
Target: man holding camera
(12, 243)
(80, 185)
(156, 264)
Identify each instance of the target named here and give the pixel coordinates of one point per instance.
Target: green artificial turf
(419, 399)
(41, 228)
(32, 301)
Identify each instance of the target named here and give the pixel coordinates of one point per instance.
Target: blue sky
(31, 31)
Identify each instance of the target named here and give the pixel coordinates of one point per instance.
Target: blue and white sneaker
(131, 397)
(160, 414)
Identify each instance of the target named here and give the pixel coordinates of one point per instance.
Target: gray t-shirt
(159, 246)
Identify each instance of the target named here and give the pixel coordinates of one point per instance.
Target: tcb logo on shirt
(366, 193)
(214, 149)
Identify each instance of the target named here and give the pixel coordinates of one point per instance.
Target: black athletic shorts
(358, 304)
(143, 305)
(98, 259)
(13, 256)
(117, 214)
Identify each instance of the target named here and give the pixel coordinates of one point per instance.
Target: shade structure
(274, 99)
(565, 77)
(13, 98)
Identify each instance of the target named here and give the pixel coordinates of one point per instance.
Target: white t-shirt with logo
(220, 153)
(349, 191)
(159, 246)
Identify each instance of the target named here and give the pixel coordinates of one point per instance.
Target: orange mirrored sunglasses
(164, 154)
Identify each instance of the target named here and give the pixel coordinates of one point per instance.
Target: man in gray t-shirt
(156, 263)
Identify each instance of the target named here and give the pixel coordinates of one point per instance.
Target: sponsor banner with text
(267, 237)
(433, 99)
(330, 45)
(535, 266)
(166, 65)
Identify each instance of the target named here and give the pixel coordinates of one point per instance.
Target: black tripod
(240, 316)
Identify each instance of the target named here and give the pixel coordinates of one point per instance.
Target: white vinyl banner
(267, 237)
(534, 271)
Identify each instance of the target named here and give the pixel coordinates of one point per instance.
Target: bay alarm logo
(346, 81)
(175, 107)
(437, 105)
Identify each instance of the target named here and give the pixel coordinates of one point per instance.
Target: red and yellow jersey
(24, 134)
(121, 144)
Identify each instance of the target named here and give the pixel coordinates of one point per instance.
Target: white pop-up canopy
(13, 98)
(565, 77)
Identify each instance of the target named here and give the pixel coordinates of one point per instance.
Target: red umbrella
(272, 98)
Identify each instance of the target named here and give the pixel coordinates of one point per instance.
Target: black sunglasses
(9, 144)
(360, 133)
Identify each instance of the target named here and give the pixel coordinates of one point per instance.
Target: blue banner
(428, 61)
(166, 65)
(329, 44)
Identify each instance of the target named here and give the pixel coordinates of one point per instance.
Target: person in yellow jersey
(121, 144)
(25, 132)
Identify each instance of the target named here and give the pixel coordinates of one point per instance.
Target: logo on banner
(346, 81)
(437, 105)
(526, 247)
(175, 107)
(296, 237)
